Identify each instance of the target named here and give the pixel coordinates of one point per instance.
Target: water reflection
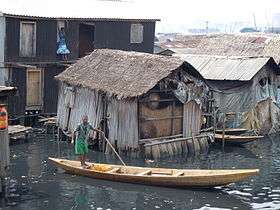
(43, 186)
(81, 199)
(129, 196)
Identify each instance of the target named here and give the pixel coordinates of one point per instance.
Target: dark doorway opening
(86, 39)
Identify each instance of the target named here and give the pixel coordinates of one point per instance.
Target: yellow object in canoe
(101, 167)
(192, 178)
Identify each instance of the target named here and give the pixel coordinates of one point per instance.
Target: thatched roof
(120, 73)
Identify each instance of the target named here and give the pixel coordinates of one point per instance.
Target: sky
(175, 15)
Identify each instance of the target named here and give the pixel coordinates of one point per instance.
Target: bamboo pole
(112, 147)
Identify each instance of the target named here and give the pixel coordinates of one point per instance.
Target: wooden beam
(160, 138)
(163, 172)
(207, 114)
(160, 100)
(161, 91)
(144, 173)
(180, 173)
(173, 140)
(114, 170)
(161, 118)
(207, 129)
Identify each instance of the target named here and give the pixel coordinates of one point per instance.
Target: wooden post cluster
(190, 146)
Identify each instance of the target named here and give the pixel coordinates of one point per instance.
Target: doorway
(86, 39)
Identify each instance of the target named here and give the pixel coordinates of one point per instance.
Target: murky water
(37, 184)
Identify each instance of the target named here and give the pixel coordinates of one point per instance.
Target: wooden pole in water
(108, 142)
(224, 128)
(214, 121)
(4, 158)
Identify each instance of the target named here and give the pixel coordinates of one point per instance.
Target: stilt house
(29, 42)
(246, 89)
(132, 96)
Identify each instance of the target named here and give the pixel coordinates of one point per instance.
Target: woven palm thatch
(120, 73)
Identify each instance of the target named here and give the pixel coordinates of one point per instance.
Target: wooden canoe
(233, 139)
(232, 131)
(157, 176)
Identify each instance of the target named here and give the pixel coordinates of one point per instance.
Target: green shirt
(83, 131)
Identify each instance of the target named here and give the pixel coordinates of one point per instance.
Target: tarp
(252, 105)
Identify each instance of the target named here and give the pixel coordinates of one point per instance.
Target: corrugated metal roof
(247, 44)
(226, 68)
(84, 9)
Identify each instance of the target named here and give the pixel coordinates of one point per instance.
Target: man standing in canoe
(82, 133)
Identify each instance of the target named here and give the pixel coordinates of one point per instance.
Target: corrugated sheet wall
(87, 102)
(122, 115)
(123, 123)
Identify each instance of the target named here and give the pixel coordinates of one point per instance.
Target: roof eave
(80, 18)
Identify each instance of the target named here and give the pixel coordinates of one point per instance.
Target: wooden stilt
(4, 158)
(224, 128)
(58, 142)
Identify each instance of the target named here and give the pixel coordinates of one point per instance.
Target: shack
(244, 88)
(138, 96)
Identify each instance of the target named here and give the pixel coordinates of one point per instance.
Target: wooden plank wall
(46, 44)
(17, 103)
(116, 35)
(108, 34)
(51, 88)
(192, 119)
(34, 87)
(27, 39)
(161, 122)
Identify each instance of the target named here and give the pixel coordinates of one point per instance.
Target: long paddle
(103, 134)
